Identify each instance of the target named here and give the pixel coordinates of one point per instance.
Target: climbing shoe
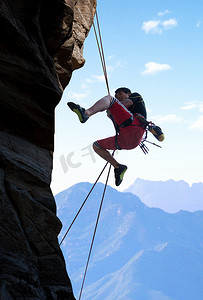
(80, 111)
(119, 173)
(157, 132)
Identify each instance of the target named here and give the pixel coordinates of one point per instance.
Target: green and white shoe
(119, 173)
(80, 111)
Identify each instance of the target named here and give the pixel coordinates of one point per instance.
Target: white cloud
(170, 23)
(198, 24)
(170, 118)
(163, 13)
(153, 68)
(99, 78)
(111, 56)
(109, 69)
(95, 78)
(198, 124)
(189, 106)
(77, 96)
(121, 63)
(84, 86)
(193, 105)
(198, 105)
(89, 80)
(151, 27)
(158, 26)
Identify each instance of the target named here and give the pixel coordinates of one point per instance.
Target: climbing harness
(144, 140)
(154, 129)
(148, 125)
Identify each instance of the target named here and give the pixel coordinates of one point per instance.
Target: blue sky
(156, 49)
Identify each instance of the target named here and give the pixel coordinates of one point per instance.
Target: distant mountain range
(140, 253)
(171, 196)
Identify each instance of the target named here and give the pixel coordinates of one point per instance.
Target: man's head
(122, 93)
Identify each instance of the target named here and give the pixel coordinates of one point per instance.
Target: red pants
(129, 137)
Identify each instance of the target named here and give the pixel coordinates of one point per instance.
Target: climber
(121, 109)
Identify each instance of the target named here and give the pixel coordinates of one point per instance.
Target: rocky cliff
(41, 44)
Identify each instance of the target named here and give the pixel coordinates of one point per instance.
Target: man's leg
(99, 106)
(106, 155)
(84, 114)
(119, 170)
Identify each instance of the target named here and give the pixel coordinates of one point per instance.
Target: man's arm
(127, 103)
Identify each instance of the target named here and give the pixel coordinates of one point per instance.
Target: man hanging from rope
(122, 109)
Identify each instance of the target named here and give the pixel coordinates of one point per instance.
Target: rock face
(41, 44)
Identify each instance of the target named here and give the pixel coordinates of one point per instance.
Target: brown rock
(36, 40)
(84, 11)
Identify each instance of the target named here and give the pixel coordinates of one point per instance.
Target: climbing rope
(101, 49)
(97, 221)
(95, 229)
(98, 37)
(82, 205)
(97, 32)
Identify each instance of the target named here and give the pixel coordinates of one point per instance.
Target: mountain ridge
(138, 252)
(171, 196)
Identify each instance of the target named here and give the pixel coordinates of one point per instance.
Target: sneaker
(80, 111)
(119, 173)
